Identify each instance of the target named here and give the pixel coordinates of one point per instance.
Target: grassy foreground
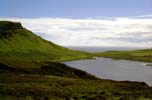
(136, 55)
(55, 81)
(48, 87)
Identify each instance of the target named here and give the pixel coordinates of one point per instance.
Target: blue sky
(84, 22)
(74, 8)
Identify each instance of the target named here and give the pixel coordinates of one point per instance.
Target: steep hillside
(136, 55)
(18, 43)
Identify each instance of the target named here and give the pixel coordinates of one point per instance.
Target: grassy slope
(136, 55)
(20, 44)
(20, 50)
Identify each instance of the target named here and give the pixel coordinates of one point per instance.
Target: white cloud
(92, 32)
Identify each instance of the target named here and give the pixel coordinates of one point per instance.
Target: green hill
(136, 55)
(20, 44)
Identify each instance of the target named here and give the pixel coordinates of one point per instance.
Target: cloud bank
(131, 31)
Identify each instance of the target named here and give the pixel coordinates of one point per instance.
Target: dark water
(115, 69)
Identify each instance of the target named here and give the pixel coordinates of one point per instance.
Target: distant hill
(18, 43)
(136, 55)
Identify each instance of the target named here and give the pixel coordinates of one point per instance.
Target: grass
(18, 43)
(30, 87)
(48, 68)
(135, 55)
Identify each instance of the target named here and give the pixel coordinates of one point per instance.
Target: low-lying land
(135, 55)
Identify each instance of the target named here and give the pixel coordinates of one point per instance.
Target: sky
(84, 22)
